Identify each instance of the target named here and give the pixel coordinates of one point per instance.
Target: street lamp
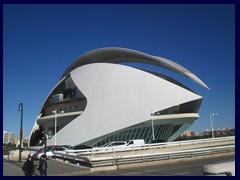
(20, 108)
(55, 113)
(45, 142)
(152, 127)
(211, 115)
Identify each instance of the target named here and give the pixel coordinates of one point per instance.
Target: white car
(115, 144)
(50, 152)
(135, 142)
(111, 146)
(41, 152)
(31, 153)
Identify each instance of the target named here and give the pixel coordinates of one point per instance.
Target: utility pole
(20, 108)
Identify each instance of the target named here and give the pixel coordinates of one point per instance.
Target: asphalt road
(184, 167)
(190, 167)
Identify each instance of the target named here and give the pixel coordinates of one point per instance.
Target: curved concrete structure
(118, 55)
(105, 101)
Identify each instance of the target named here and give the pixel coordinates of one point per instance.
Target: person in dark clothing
(43, 166)
(28, 167)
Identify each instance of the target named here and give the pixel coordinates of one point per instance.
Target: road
(175, 168)
(184, 167)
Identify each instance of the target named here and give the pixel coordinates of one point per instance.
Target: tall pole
(20, 108)
(211, 115)
(55, 126)
(55, 112)
(152, 128)
(45, 142)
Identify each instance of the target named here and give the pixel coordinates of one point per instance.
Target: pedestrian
(43, 165)
(28, 167)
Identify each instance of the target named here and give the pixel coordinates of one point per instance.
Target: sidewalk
(55, 168)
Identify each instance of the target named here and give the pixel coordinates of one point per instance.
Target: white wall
(117, 97)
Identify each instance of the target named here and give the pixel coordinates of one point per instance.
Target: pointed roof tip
(171, 65)
(196, 79)
(207, 87)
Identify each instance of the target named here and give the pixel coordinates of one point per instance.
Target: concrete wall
(117, 97)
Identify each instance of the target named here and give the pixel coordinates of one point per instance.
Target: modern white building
(100, 99)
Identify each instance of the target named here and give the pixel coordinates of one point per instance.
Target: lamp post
(45, 142)
(55, 113)
(152, 127)
(211, 115)
(55, 126)
(20, 108)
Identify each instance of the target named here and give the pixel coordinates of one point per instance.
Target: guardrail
(96, 158)
(117, 160)
(198, 141)
(167, 145)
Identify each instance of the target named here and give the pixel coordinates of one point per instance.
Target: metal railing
(131, 159)
(167, 145)
(99, 157)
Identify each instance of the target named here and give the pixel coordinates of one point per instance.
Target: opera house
(100, 99)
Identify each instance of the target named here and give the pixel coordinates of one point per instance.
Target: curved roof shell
(120, 55)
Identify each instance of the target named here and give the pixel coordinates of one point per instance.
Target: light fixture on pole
(211, 115)
(55, 113)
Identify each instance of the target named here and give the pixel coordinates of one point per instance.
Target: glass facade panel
(142, 132)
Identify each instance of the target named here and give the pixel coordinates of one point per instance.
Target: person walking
(43, 166)
(28, 167)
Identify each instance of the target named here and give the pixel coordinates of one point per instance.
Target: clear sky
(41, 41)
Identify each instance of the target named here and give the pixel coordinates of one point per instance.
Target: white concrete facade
(119, 97)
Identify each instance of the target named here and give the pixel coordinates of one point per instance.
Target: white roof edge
(159, 61)
(182, 70)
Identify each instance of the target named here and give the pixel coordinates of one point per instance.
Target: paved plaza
(55, 168)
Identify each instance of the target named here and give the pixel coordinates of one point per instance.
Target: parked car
(67, 146)
(31, 153)
(111, 145)
(81, 146)
(157, 141)
(40, 152)
(135, 142)
(50, 152)
(115, 144)
(61, 149)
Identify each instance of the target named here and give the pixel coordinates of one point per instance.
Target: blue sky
(41, 41)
